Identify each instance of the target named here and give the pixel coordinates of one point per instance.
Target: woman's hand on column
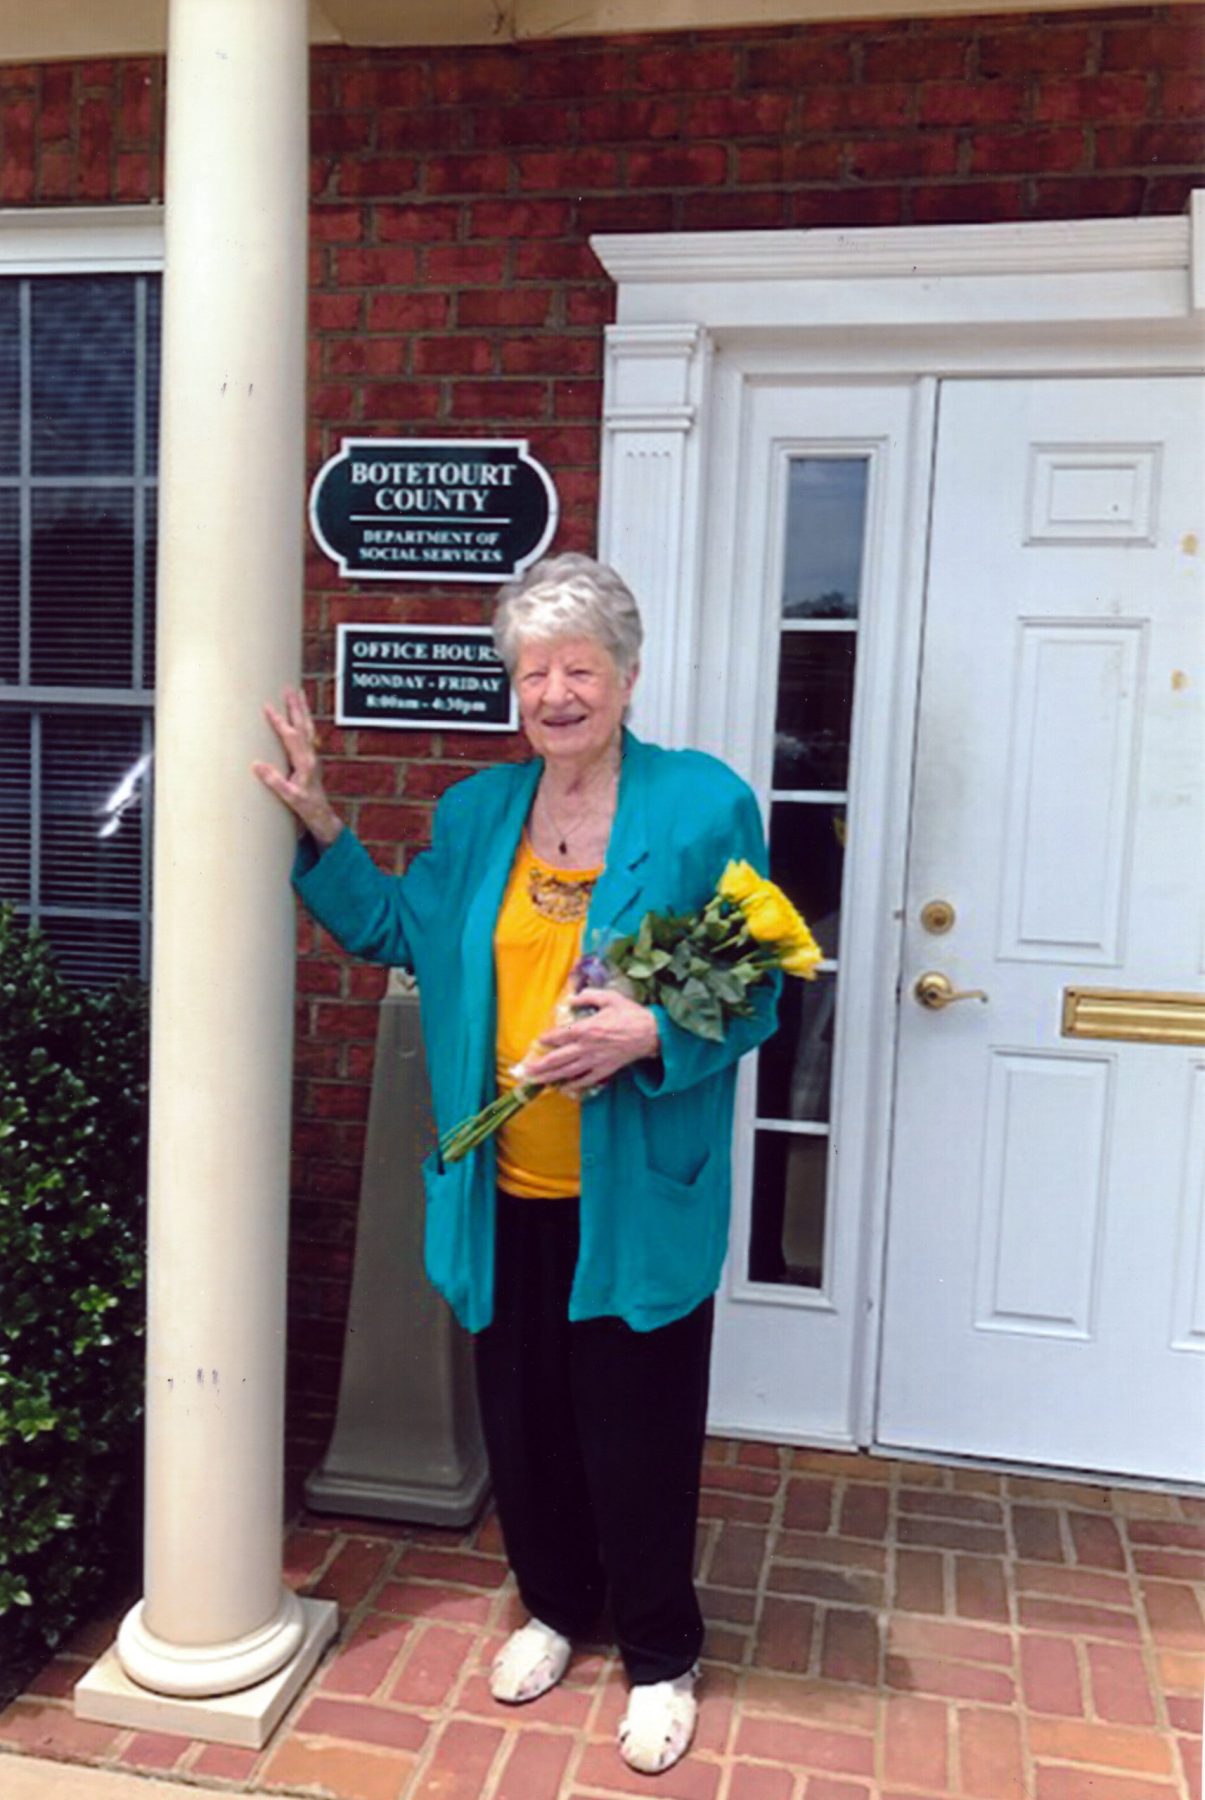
(614, 1032)
(301, 790)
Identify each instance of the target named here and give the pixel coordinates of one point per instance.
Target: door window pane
(795, 1067)
(826, 517)
(807, 860)
(815, 705)
(786, 1242)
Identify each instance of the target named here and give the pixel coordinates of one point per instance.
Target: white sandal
(531, 1661)
(660, 1722)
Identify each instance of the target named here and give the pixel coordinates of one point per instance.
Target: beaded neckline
(562, 895)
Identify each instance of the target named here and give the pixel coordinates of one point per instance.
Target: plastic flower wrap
(698, 967)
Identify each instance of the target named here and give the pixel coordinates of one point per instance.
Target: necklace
(562, 835)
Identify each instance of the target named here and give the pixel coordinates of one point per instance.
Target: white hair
(564, 597)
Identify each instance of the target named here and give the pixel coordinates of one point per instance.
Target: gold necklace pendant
(567, 902)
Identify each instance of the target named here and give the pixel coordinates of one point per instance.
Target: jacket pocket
(677, 1225)
(672, 1189)
(681, 1140)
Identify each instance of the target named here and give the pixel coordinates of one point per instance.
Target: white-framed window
(79, 403)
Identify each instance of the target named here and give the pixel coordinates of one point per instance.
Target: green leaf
(698, 1014)
(727, 988)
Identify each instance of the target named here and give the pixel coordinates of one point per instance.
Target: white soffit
(67, 29)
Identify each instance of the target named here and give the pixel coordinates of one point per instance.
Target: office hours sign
(433, 509)
(422, 678)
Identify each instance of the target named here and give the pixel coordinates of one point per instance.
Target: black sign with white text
(433, 509)
(422, 677)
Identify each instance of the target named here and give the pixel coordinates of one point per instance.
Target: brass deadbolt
(937, 916)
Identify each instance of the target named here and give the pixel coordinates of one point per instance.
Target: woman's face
(571, 697)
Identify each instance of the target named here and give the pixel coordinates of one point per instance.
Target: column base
(247, 1718)
(197, 1671)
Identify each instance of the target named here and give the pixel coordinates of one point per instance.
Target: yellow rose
(769, 915)
(738, 881)
(802, 955)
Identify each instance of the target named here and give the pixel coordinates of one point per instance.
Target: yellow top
(537, 940)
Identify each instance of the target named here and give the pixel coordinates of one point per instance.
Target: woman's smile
(572, 697)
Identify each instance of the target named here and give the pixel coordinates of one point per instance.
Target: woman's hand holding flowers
(608, 1032)
(301, 790)
(699, 966)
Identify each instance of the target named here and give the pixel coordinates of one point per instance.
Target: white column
(216, 1618)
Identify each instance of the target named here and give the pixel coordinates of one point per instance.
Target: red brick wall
(454, 292)
(79, 134)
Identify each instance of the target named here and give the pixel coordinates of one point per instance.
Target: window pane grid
(79, 358)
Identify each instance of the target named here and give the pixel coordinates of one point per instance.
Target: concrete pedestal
(407, 1442)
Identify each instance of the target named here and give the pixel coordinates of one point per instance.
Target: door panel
(1046, 1190)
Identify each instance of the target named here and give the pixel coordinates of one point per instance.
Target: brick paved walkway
(878, 1631)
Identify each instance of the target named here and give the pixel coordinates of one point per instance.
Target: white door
(1045, 1281)
(815, 565)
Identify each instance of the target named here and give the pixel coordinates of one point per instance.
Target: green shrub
(73, 1099)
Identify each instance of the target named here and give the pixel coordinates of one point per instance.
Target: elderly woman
(583, 1245)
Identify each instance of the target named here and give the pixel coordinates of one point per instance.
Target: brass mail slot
(1133, 1016)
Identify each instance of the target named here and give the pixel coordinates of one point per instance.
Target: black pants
(595, 1439)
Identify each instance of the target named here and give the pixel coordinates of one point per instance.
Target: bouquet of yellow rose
(698, 966)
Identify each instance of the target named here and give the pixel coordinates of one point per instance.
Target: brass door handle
(935, 990)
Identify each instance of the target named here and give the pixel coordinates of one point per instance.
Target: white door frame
(698, 311)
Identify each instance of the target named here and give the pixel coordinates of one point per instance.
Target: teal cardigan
(656, 1158)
